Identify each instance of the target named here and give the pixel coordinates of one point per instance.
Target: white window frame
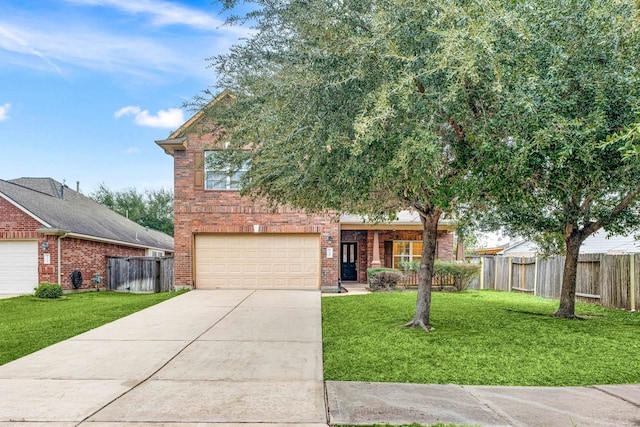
(225, 180)
(411, 255)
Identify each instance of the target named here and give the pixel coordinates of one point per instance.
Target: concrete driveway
(226, 357)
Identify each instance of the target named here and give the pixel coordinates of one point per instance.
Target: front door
(349, 257)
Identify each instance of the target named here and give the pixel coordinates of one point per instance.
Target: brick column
(375, 263)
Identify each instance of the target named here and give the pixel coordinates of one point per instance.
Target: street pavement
(254, 359)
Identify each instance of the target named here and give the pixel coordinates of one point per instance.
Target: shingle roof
(78, 214)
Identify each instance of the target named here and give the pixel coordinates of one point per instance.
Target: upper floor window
(221, 178)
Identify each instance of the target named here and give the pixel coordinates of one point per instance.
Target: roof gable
(195, 119)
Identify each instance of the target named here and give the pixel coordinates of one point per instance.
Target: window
(221, 179)
(407, 250)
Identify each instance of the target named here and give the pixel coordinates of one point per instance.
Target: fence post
(510, 273)
(481, 272)
(495, 273)
(535, 276)
(632, 281)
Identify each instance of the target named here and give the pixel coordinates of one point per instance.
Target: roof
(597, 243)
(74, 213)
(406, 219)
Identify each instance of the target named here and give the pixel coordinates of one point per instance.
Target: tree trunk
(568, 293)
(429, 221)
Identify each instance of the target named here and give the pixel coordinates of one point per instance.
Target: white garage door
(18, 266)
(257, 261)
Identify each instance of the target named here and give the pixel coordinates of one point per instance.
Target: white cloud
(4, 111)
(123, 48)
(166, 119)
(164, 13)
(95, 50)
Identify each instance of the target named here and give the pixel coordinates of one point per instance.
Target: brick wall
(15, 224)
(218, 211)
(90, 258)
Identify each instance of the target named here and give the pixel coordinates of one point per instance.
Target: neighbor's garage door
(257, 261)
(18, 266)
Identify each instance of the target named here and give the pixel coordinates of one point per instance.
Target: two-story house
(223, 240)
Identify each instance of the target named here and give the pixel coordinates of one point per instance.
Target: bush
(49, 290)
(383, 279)
(463, 273)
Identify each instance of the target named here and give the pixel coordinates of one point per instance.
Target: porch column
(376, 251)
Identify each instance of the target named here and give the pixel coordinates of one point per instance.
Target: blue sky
(87, 86)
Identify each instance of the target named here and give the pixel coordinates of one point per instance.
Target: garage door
(18, 267)
(257, 261)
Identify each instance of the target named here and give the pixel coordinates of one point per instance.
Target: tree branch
(624, 203)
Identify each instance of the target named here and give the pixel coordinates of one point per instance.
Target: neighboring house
(223, 240)
(47, 231)
(597, 243)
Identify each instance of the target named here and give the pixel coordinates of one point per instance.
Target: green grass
(481, 338)
(28, 324)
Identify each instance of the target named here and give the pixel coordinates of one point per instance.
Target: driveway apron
(224, 356)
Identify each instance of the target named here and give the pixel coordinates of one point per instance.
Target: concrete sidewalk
(359, 403)
(225, 357)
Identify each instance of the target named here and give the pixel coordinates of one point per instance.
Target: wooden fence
(609, 280)
(139, 274)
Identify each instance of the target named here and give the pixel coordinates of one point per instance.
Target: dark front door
(349, 257)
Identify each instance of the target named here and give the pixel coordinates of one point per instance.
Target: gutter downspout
(60, 258)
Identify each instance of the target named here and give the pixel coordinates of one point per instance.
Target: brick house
(225, 240)
(47, 231)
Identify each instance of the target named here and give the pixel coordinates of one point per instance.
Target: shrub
(463, 273)
(383, 279)
(49, 290)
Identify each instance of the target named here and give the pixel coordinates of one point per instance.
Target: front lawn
(28, 323)
(480, 338)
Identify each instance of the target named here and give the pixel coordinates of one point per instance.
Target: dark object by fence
(139, 274)
(76, 279)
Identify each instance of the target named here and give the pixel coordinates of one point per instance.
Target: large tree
(572, 82)
(361, 107)
(151, 208)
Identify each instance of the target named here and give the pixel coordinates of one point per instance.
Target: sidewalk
(223, 357)
(359, 403)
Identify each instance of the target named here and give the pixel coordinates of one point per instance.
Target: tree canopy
(571, 85)
(362, 107)
(151, 208)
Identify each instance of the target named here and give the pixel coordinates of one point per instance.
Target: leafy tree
(153, 208)
(361, 106)
(563, 168)
(373, 106)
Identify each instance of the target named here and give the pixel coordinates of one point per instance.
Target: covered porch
(364, 245)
